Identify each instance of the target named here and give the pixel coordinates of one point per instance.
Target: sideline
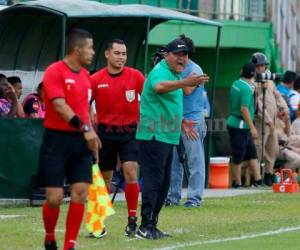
(243, 237)
(10, 216)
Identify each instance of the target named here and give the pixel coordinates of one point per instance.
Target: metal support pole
(211, 98)
(63, 37)
(146, 46)
(262, 162)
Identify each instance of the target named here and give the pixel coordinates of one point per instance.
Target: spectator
(193, 133)
(289, 139)
(286, 89)
(8, 98)
(240, 126)
(33, 104)
(295, 97)
(16, 82)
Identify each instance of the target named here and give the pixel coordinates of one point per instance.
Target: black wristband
(75, 122)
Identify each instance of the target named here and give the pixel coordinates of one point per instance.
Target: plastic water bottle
(296, 177)
(277, 177)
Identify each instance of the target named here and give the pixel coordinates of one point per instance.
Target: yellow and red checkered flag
(99, 204)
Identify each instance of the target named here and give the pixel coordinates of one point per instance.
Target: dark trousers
(155, 160)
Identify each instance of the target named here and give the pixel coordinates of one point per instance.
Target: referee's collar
(116, 74)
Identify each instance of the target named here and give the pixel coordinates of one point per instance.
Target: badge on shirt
(130, 95)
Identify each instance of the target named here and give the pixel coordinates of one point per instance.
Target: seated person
(8, 98)
(33, 104)
(16, 82)
(295, 96)
(289, 138)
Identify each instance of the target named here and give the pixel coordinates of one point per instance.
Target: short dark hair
(76, 37)
(248, 70)
(297, 83)
(289, 76)
(40, 86)
(2, 78)
(13, 80)
(189, 43)
(109, 45)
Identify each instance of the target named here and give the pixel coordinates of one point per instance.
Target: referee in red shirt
(115, 90)
(69, 140)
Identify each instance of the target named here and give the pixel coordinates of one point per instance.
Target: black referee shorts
(64, 156)
(117, 141)
(242, 145)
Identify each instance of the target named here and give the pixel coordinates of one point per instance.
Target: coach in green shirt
(159, 130)
(240, 125)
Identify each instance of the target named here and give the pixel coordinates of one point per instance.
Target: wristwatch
(85, 128)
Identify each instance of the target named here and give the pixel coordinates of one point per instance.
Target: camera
(262, 77)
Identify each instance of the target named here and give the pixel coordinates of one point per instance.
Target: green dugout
(32, 35)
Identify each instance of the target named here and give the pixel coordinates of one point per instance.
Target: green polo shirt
(241, 95)
(160, 114)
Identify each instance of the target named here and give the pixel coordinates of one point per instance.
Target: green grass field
(260, 221)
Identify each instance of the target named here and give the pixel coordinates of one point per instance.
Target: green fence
(20, 141)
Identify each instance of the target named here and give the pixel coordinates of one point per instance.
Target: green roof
(86, 8)
(32, 34)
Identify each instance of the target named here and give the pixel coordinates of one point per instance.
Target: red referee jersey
(61, 82)
(116, 96)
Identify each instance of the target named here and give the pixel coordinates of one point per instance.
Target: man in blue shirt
(193, 134)
(286, 89)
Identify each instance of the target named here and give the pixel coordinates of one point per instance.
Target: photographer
(274, 107)
(240, 125)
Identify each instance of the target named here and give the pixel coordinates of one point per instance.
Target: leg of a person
(166, 180)
(258, 141)
(130, 171)
(272, 151)
(107, 177)
(79, 192)
(54, 197)
(128, 156)
(196, 164)
(131, 187)
(293, 158)
(251, 157)
(236, 173)
(108, 160)
(53, 156)
(79, 175)
(254, 166)
(174, 194)
(152, 160)
(238, 142)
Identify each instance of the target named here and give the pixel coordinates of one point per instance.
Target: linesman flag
(99, 204)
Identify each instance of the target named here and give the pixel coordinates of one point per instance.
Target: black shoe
(161, 234)
(50, 245)
(268, 179)
(147, 232)
(258, 183)
(130, 230)
(235, 185)
(169, 203)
